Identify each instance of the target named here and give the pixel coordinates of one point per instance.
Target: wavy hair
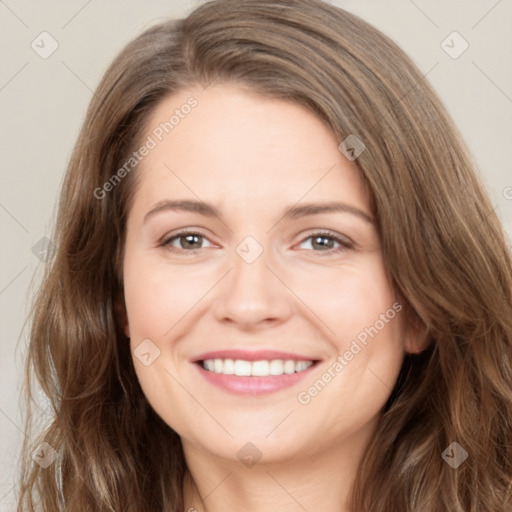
(442, 243)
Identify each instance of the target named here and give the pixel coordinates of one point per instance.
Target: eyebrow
(293, 212)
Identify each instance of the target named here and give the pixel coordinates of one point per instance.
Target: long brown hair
(442, 243)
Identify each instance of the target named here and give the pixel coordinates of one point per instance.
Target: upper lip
(252, 355)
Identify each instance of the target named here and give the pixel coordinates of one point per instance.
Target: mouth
(263, 368)
(253, 373)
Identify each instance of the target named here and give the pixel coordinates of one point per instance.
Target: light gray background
(43, 102)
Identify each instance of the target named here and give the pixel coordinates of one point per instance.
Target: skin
(252, 157)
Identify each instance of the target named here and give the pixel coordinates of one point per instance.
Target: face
(258, 305)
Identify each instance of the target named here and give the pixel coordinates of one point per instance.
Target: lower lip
(253, 385)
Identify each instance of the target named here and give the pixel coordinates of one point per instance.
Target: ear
(417, 335)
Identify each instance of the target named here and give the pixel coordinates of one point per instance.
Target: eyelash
(343, 243)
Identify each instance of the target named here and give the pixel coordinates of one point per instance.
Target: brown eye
(327, 242)
(186, 240)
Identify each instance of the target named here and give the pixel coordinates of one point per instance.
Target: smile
(244, 372)
(264, 368)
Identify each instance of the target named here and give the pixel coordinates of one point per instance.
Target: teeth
(276, 367)
(243, 368)
(289, 367)
(302, 365)
(229, 367)
(260, 368)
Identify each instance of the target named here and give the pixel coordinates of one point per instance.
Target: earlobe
(417, 332)
(417, 338)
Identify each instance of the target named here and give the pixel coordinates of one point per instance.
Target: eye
(325, 241)
(187, 240)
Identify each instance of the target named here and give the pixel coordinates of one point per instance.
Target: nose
(253, 293)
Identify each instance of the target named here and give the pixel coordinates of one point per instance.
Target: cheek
(364, 323)
(367, 341)
(347, 299)
(157, 296)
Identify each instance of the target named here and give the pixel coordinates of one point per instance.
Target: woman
(278, 284)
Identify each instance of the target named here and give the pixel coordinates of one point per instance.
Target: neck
(320, 479)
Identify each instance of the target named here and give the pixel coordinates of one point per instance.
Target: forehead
(226, 144)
